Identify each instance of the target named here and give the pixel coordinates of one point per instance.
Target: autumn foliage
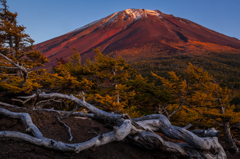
(114, 86)
(200, 100)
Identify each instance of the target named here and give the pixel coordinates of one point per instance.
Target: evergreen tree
(109, 76)
(149, 98)
(198, 99)
(102, 80)
(13, 38)
(17, 58)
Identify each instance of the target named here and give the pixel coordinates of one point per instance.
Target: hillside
(223, 65)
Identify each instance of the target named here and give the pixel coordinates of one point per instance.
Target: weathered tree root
(60, 112)
(27, 120)
(116, 135)
(69, 129)
(212, 132)
(139, 130)
(194, 146)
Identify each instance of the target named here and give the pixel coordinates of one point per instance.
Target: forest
(193, 99)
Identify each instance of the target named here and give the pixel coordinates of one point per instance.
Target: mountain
(137, 31)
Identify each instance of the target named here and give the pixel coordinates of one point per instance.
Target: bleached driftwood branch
(27, 120)
(43, 103)
(187, 126)
(117, 134)
(10, 105)
(61, 112)
(207, 133)
(21, 101)
(141, 132)
(97, 112)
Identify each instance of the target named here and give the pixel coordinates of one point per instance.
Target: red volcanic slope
(128, 28)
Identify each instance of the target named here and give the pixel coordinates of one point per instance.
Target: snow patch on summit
(112, 18)
(139, 13)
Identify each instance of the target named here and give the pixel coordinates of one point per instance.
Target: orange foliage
(198, 47)
(150, 50)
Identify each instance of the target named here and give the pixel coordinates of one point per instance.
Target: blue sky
(46, 19)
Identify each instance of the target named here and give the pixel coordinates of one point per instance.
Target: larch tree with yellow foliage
(102, 80)
(17, 59)
(109, 76)
(178, 92)
(198, 99)
(149, 98)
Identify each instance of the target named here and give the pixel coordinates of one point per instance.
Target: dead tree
(139, 131)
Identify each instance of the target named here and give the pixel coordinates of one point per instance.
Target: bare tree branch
(118, 134)
(176, 110)
(12, 106)
(21, 101)
(27, 97)
(21, 68)
(69, 129)
(43, 103)
(6, 67)
(69, 114)
(97, 112)
(207, 133)
(187, 126)
(79, 114)
(25, 117)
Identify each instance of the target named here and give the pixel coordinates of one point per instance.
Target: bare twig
(6, 67)
(10, 105)
(176, 110)
(69, 114)
(93, 132)
(21, 101)
(69, 129)
(187, 126)
(42, 103)
(207, 133)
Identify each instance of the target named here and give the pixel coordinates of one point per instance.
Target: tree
(178, 90)
(103, 80)
(109, 76)
(149, 98)
(200, 98)
(13, 38)
(17, 59)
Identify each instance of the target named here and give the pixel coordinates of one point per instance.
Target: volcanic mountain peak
(129, 15)
(137, 28)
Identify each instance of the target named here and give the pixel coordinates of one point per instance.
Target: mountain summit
(136, 28)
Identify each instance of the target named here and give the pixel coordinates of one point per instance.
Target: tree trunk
(227, 134)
